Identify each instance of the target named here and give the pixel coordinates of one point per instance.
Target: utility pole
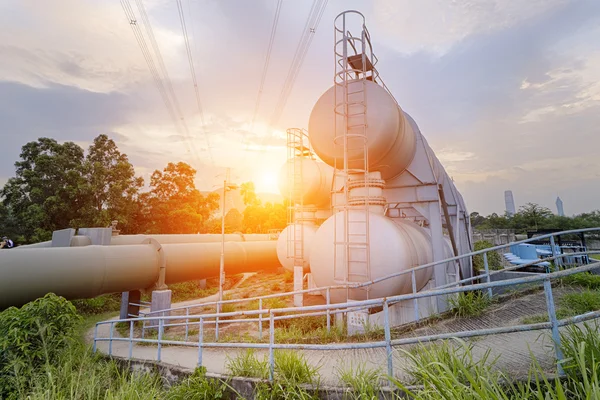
(226, 186)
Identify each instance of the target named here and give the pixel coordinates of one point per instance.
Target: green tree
(48, 190)
(174, 205)
(112, 185)
(233, 221)
(533, 214)
(248, 192)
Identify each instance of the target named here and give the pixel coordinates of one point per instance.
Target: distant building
(559, 207)
(509, 201)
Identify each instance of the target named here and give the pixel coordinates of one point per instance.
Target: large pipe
(83, 272)
(189, 238)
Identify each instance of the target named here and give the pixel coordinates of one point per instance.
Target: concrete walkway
(512, 351)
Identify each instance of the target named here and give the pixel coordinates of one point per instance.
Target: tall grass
(362, 381)
(247, 364)
(469, 304)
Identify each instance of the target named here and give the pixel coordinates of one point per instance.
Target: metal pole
(327, 297)
(112, 324)
(222, 259)
(388, 339)
(187, 323)
(414, 290)
(487, 273)
(553, 323)
(200, 341)
(271, 342)
(95, 337)
(130, 338)
(160, 334)
(557, 262)
(260, 319)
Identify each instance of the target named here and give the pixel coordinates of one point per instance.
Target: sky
(507, 92)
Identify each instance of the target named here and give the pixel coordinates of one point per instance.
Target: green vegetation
(199, 387)
(469, 304)
(248, 365)
(97, 305)
(363, 381)
(494, 259)
(583, 279)
(571, 304)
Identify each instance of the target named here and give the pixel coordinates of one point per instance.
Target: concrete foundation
(298, 285)
(127, 309)
(161, 300)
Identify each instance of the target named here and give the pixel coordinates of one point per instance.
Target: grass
(98, 305)
(198, 386)
(292, 367)
(246, 364)
(363, 381)
(583, 279)
(469, 304)
(570, 305)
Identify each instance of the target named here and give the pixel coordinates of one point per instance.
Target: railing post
(130, 339)
(557, 261)
(414, 291)
(260, 319)
(388, 339)
(217, 321)
(553, 323)
(271, 343)
(112, 325)
(187, 323)
(487, 273)
(200, 341)
(328, 302)
(160, 334)
(143, 328)
(95, 337)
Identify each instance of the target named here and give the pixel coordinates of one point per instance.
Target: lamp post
(226, 186)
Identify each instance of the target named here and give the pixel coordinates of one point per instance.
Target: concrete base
(62, 238)
(161, 300)
(202, 283)
(127, 309)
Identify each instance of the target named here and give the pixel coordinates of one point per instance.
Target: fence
(261, 315)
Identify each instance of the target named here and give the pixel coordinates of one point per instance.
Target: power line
(193, 73)
(310, 28)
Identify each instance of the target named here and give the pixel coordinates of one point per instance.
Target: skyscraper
(559, 207)
(509, 201)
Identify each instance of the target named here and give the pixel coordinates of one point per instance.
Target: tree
(48, 190)
(174, 205)
(533, 214)
(112, 185)
(248, 192)
(262, 219)
(233, 221)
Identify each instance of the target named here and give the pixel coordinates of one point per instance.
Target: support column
(298, 285)
(127, 309)
(437, 242)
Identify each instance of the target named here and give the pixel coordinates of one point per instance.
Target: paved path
(513, 350)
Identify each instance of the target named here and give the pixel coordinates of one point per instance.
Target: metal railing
(261, 315)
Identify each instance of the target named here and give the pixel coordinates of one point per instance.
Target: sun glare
(266, 182)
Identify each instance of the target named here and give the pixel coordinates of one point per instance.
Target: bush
(31, 337)
(98, 305)
(494, 259)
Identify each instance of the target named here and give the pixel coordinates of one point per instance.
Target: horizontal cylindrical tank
(286, 244)
(88, 271)
(189, 238)
(315, 185)
(394, 246)
(391, 141)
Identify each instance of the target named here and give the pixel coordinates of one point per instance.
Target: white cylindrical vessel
(316, 182)
(391, 141)
(394, 246)
(287, 241)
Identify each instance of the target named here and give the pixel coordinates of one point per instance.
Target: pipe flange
(371, 200)
(360, 183)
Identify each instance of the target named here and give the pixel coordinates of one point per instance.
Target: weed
(292, 367)
(534, 319)
(579, 303)
(282, 390)
(247, 364)
(363, 381)
(198, 386)
(288, 276)
(584, 279)
(571, 341)
(469, 304)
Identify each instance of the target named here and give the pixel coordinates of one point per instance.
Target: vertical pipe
(112, 324)
(143, 328)
(487, 273)
(553, 323)
(160, 334)
(388, 339)
(187, 323)
(217, 323)
(327, 298)
(271, 350)
(130, 338)
(260, 319)
(414, 291)
(95, 337)
(556, 260)
(200, 341)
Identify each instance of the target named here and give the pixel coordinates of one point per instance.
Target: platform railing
(486, 275)
(272, 315)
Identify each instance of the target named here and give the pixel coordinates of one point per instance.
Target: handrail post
(112, 325)
(160, 334)
(130, 339)
(260, 327)
(388, 339)
(95, 337)
(557, 261)
(553, 323)
(414, 291)
(143, 328)
(200, 341)
(187, 323)
(271, 350)
(328, 300)
(217, 321)
(487, 273)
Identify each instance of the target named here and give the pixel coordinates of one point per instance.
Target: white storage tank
(395, 245)
(316, 182)
(286, 243)
(391, 141)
